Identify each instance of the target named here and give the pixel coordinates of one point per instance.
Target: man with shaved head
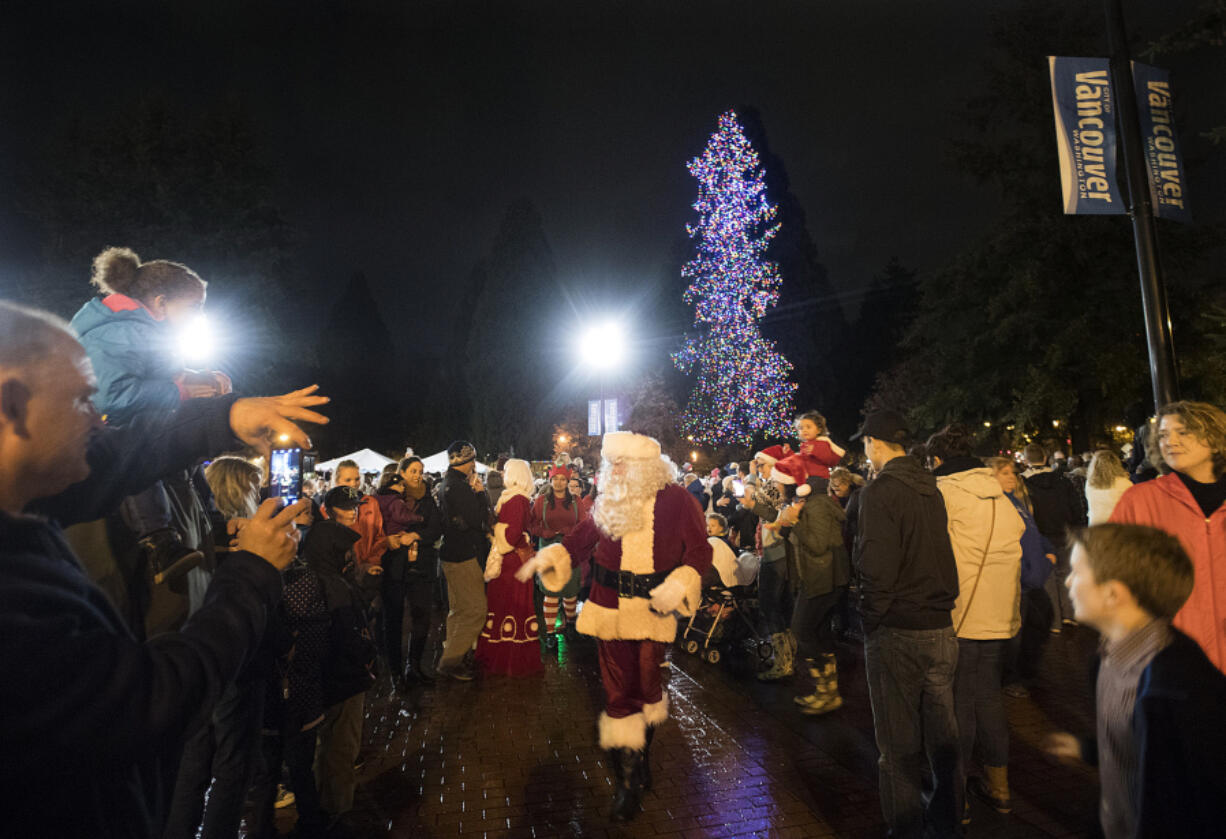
(90, 718)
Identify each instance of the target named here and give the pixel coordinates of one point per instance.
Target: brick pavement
(505, 757)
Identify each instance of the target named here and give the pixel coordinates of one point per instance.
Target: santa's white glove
(551, 563)
(493, 567)
(680, 592)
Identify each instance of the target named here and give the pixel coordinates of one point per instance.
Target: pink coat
(1167, 504)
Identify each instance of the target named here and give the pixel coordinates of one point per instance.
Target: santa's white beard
(622, 505)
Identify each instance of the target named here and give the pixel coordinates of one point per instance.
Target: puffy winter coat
(1167, 504)
(132, 355)
(986, 532)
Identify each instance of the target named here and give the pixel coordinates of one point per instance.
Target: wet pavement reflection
(502, 757)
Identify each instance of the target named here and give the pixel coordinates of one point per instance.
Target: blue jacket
(1180, 739)
(89, 716)
(1036, 567)
(132, 357)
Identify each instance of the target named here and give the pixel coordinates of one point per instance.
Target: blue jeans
(911, 686)
(977, 698)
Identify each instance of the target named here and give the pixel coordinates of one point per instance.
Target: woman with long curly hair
(1189, 501)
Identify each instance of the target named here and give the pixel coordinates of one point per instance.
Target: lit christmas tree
(743, 387)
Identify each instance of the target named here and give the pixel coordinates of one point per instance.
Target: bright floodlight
(603, 345)
(196, 341)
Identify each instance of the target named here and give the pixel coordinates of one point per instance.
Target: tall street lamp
(603, 349)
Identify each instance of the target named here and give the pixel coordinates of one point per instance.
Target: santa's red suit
(640, 584)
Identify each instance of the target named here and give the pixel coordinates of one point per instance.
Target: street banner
(593, 418)
(1163, 162)
(1085, 135)
(610, 415)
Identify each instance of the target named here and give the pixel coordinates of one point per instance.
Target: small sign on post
(593, 418)
(610, 415)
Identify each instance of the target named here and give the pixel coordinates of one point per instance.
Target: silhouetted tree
(509, 369)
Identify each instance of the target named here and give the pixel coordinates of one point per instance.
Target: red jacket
(820, 456)
(1167, 504)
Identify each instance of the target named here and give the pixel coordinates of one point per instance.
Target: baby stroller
(727, 617)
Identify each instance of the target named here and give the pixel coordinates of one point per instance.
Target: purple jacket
(397, 517)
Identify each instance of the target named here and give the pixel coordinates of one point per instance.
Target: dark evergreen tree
(886, 312)
(510, 368)
(358, 370)
(808, 324)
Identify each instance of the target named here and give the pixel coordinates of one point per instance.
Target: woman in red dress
(509, 645)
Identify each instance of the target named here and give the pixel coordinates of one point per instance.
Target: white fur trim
(803, 490)
(632, 620)
(628, 444)
(500, 539)
(834, 447)
(655, 713)
(638, 548)
(555, 567)
(763, 457)
(681, 592)
(623, 732)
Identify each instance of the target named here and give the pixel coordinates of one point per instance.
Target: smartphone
(285, 474)
(738, 489)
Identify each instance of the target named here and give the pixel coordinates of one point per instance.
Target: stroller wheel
(713, 656)
(765, 651)
(691, 646)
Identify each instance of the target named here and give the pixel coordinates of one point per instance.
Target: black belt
(627, 584)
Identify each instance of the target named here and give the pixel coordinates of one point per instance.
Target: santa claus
(649, 543)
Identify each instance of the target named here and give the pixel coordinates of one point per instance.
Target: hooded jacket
(1167, 504)
(908, 575)
(1057, 505)
(132, 358)
(986, 532)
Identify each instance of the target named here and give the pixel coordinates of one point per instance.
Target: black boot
(417, 648)
(646, 771)
(628, 772)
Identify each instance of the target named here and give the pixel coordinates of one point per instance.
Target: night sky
(401, 130)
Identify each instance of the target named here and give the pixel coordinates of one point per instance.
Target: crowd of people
(951, 570)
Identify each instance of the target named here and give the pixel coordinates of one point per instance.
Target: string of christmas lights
(742, 387)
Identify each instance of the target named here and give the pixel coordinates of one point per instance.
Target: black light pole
(1153, 289)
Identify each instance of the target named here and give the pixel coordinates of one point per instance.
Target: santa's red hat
(559, 470)
(772, 454)
(791, 470)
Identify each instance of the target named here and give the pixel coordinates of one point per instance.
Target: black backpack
(351, 665)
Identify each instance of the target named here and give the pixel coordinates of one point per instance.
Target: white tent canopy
(367, 460)
(438, 463)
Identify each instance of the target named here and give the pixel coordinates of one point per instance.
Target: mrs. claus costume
(642, 579)
(508, 644)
